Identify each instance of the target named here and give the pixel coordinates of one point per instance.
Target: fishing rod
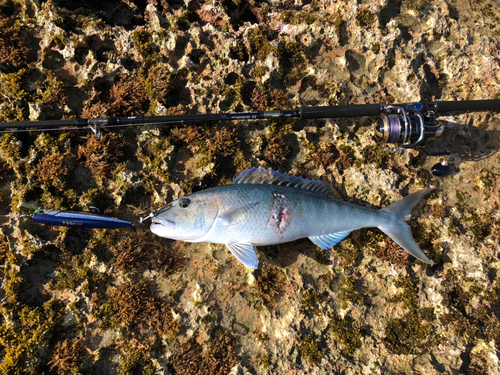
(405, 124)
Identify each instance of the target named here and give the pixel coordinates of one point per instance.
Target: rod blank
(355, 110)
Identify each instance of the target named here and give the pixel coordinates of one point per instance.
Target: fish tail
(398, 230)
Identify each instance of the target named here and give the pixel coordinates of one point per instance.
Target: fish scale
(309, 214)
(264, 207)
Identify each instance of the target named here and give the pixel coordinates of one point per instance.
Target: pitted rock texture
(126, 301)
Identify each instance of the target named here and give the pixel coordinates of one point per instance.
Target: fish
(265, 207)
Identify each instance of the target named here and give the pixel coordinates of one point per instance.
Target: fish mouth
(163, 222)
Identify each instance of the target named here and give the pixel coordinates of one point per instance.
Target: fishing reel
(406, 126)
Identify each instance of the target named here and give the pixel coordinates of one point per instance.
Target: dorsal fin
(268, 176)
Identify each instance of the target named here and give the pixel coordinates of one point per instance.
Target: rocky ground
(128, 302)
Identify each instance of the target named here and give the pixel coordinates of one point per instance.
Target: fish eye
(184, 203)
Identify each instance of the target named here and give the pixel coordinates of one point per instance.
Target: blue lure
(77, 219)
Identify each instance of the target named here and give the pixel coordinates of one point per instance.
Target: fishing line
(105, 127)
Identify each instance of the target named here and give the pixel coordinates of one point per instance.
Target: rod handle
(467, 105)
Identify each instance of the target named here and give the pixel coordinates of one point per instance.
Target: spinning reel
(406, 126)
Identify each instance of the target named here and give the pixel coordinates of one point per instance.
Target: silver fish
(264, 207)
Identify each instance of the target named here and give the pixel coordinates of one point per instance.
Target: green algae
(408, 296)
(348, 251)
(15, 96)
(263, 360)
(10, 152)
(472, 308)
(27, 330)
(414, 333)
(322, 256)
(293, 62)
(76, 270)
(186, 19)
(153, 153)
(59, 40)
(4, 248)
(11, 277)
(292, 55)
(376, 155)
(136, 358)
(259, 71)
(51, 91)
(270, 285)
(311, 350)
(239, 51)
(340, 27)
(416, 5)
(292, 79)
(411, 334)
(481, 225)
(293, 17)
(233, 93)
(485, 180)
(365, 17)
(349, 292)
(347, 332)
(157, 85)
(143, 42)
(423, 177)
(220, 146)
(312, 301)
(259, 42)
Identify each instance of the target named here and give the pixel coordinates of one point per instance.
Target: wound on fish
(280, 215)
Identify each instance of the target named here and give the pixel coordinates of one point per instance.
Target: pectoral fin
(245, 252)
(329, 240)
(235, 215)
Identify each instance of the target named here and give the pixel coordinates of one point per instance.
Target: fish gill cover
(126, 301)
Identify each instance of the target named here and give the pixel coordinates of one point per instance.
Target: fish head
(186, 219)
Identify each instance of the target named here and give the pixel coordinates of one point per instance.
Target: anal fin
(245, 252)
(327, 241)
